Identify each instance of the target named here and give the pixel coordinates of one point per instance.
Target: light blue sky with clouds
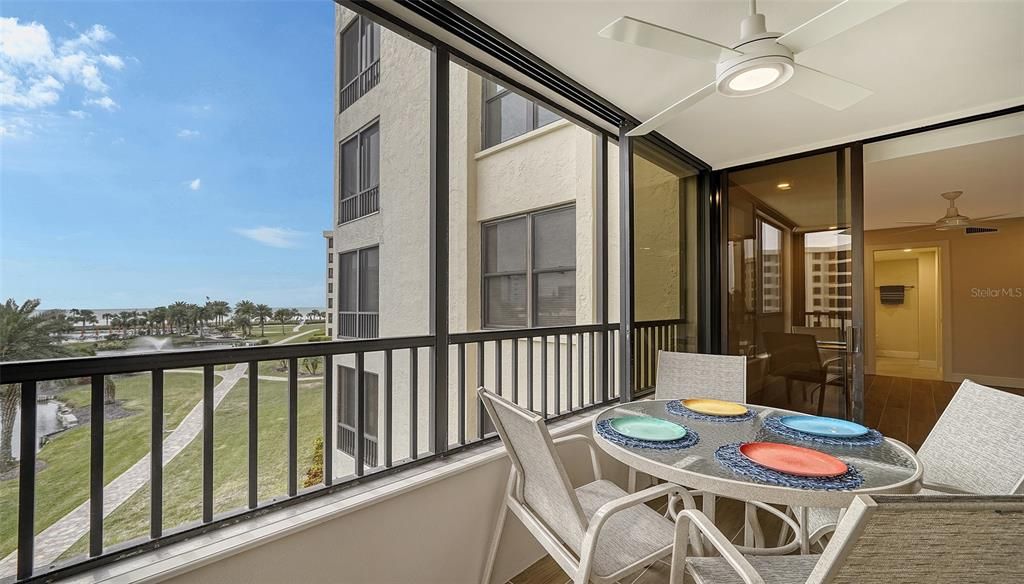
(162, 151)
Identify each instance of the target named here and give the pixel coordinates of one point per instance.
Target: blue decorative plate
(821, 426)
(648, 428)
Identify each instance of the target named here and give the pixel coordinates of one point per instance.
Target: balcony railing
(364, 82)
(347, 444)
(553, 371)
(649, 338)
(359, 325)
(359, 205)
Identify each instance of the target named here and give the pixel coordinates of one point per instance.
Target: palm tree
(158, 316)
(263, 313)
(178, 314)
(218, 310)
(86, 317)
(24, 334)
(106, 320)
(281, 315)
(126, 318)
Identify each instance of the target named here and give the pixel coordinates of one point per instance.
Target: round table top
(890, 467)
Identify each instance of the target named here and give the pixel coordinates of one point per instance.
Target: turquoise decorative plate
(820, 426)
(648, 428)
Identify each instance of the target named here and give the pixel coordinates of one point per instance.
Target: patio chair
(974, 448)
(795, 357)
(596, 532)
(908, 539)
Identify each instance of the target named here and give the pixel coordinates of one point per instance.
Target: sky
(160, 151)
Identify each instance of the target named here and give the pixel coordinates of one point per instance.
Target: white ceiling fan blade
(651, 36)
(932, 226)
(986, 218)
(825, 89)
(671, 111)
(834, 21)
(917, 222)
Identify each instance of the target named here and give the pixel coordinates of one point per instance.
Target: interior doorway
(906, 304)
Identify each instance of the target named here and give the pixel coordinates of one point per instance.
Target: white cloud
(104, 102)
(78, 114)
(35, 69)
(186, 134)
(195, 184)
(272, 236)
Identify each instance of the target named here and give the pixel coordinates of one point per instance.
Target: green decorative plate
(648, 428)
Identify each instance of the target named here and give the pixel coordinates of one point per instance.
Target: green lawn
(183, 475)
(64, 483)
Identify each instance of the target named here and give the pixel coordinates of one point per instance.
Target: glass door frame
(850, 183)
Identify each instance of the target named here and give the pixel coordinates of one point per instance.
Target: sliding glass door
(791, 283)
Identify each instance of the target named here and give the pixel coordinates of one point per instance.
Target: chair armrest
(827, 362)
(944, 488)
(594, 461)
(729, 552)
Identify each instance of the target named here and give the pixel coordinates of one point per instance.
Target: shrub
(263, 342)
(318, 339)
(315, 472)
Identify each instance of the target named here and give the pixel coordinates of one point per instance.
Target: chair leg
(492, 553)
(821, 399)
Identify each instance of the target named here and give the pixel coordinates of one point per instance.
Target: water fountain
(152, 343)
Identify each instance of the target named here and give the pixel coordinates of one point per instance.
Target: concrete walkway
(61, 535)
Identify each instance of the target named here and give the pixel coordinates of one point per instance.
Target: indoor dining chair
(910, 539)
(976, 447)
(595, 532)
(796, 357)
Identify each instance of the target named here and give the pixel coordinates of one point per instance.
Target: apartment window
(330, 258)
(771, 257)
(358, 289)
(330, 287)
(330, 302)
(360, 60)
(330, 244)
(348, 390)
(530, 270)
(330, 272)
(330, 331)
(508, 114)
(359, 170)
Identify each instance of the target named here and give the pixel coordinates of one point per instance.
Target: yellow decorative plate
(715, 407)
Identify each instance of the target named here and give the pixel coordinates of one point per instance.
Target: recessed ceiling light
(908, 249)
(833, 226)
(783, 186)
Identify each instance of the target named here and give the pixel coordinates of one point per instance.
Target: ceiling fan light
(755, 76)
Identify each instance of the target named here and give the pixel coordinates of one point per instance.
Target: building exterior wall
(551, 166)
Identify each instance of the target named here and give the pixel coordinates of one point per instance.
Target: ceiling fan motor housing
(760, 54)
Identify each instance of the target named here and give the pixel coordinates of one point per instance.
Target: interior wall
(986, 314)
(896, 325)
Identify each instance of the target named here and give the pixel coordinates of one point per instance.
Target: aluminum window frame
(530, 272)
(357, 137)
(359, 277)
(533, 111)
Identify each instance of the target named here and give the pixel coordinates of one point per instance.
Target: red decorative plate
(794, 460)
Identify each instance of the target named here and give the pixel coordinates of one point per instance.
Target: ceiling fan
(760, 61)
(953, 219)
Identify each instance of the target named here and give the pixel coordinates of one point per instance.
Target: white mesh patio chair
(976, 447)
(909, 539)
(596, 532)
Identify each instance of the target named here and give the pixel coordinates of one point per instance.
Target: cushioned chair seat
(628, 536)
(774, 569)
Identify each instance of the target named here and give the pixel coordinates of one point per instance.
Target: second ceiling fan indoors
(761, 61)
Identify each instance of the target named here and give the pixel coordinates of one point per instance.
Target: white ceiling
(926, 60)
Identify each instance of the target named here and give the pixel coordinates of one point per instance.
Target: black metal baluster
(388, 376)
(529, 373)
(480, 413)
(593, 377)
(293, 426)
(156, 455)
(558, 374)
(462, 393)
(515, 371)
(579, 368)
(360, 412)
(414, 355)
(27, 481)
(96, 467)
(568, 370)
(328, 461)
(544, 376)
(207, 443)
(254, 429)
(497, 367)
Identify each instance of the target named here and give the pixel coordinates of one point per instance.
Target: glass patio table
(889, 467)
